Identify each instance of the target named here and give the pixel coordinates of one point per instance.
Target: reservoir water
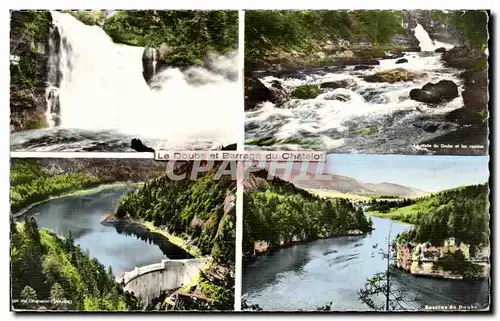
(123, 246)
(311, 275)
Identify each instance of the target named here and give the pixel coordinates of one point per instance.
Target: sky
(428, 173)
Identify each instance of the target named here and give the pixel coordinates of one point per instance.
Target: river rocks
(305, 92)
(392, 76)
(475, 77)
(363, 67)
(337, 84)
(137, 145)
(428, 127)
(464, 116)
(256, 92)
(401, 61)
(475, 94)
(435, 93)
(440, 49)
(464, 57)
(356, 61)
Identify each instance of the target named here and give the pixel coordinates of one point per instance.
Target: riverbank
(93, 190)
(263, 248)
(194, 251)
(426, 260)
(326, 55)
(396, 217)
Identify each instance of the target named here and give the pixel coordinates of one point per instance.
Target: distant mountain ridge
(345, 184)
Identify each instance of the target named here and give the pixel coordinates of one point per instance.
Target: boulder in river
(256, 92)
(464, 57)
(465, 116)
(392, 76)
(435, 93)
(344, 83)
(402, 61)
(440, 49)
(395, 55)
(363, 67)
(305, 92)
(428, 127)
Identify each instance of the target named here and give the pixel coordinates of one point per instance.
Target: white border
(187, 4)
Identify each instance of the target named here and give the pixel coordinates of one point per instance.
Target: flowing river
(365, 117)
(312, 275)
(123, 246)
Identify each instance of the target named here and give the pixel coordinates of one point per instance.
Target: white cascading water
(102, 88)
(426, 43)
(337, 118)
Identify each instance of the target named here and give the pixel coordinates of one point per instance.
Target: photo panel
(367, 233)
(121, 235)
(124, 80)
(367, 81)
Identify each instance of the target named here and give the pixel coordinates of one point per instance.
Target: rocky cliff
(449, 261)
(29, 55)
(438, 29)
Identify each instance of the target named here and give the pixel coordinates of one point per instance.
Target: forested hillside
(461, 213)
(184, 37)
(274, 35)
(59, 274)
(296, 29)
(35, 180)
(279, 213)
(199, 211)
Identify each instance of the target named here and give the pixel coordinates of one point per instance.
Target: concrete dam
(147, 282)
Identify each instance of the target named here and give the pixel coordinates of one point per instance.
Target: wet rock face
(256, 92)
(436, 29)
(441, 49)
(337, 84)
(463, 57)
(475, 94)
(151, 64)
(475, 77)
(363, 67)
(435, 93)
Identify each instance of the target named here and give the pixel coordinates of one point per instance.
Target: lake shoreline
(272, 249)
(86, 191)
(192, 250)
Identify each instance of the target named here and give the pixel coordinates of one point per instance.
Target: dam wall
(147, 282)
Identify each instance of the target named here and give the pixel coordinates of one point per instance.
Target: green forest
(273, 33)
(461, 213)
(194, 210)
(472, 25)
(58, 273)
(285, 30)
(30, 183)
(36, 180)
(184, 37)
(280, 213)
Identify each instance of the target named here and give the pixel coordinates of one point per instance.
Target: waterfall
(95, 84)
(155, 60)
(425, 41)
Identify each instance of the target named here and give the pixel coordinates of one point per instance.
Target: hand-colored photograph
(119, 80)
(384, 233)
(367, 81)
